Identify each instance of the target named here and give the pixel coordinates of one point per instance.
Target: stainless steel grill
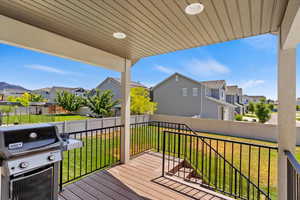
(30, 157)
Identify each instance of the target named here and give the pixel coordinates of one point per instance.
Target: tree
(101, 102)
(297, 107)
(271, 106)
(263, 111)
(141, 102)
(23, 100)
(251, 107)
(36, 98)
(68, 101)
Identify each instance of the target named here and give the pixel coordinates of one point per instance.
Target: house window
(176, 78)
(184, 92)
(195, 92)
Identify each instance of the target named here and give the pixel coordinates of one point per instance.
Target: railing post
(158, 136)
(179, 141)
(164, 154)
(61, 176)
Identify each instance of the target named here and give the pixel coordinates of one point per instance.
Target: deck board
(140, 179)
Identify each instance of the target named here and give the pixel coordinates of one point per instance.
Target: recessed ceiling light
(119, 35)
(194, 8)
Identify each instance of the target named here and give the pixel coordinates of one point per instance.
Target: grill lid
(16, 140)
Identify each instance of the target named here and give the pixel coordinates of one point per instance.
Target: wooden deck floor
(137, 180)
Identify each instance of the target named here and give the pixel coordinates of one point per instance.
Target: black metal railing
(237, 169)
(293, 177)
(142, 137)
(101, 150)
(237, 163)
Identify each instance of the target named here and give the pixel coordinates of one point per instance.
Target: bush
(263, 111)
(238, 117)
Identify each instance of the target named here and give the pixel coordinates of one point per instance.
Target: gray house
(234, 95)
(114, 84)
(182, 96)
(255, 99)
(51, 93)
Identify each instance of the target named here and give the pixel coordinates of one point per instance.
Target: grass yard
(28, 119)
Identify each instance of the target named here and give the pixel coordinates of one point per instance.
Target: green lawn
(27, 119)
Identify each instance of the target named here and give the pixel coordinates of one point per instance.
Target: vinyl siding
(170, 100)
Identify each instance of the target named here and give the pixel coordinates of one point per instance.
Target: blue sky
(250, 63)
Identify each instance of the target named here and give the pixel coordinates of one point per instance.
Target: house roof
(152, 27)
(173, 75)
(118, 81)
(42, 90)
(132, 84)
(234, 90)
(215, 84)
(220, 102)
(254, 97)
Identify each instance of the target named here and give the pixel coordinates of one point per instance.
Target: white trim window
(184, 92)
(195, 92)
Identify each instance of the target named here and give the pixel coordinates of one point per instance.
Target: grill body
(30, 157)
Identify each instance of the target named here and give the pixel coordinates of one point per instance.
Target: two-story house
(114, 84)
(234, 95)
(182, 96)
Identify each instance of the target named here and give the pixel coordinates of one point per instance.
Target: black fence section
(293, 177)
(101, 150)
(241, 170)
(148, 135)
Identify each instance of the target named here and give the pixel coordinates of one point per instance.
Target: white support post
(125, 112)
(286, 113)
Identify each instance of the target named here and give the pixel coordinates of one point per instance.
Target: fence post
(164, 154)
(158, 136)
(86, 125)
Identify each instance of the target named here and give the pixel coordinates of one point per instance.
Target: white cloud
(165, 70)
(252, 83)
(46, 69)
(206, 67)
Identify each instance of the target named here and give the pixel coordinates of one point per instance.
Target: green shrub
(238, 117)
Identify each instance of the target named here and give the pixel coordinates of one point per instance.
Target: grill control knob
(51, 157)
(24, 165)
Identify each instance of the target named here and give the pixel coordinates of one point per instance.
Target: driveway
(274, 118)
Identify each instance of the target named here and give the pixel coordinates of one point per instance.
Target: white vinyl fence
(81, 125)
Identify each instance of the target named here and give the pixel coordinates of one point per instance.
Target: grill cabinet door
(36, 186)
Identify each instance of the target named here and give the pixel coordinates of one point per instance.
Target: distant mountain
(4, 85)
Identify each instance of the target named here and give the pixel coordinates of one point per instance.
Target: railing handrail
(233, 141)
(96, 129)
(293, 161)
(221, 156)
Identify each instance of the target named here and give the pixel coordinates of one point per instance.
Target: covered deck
(140, 178)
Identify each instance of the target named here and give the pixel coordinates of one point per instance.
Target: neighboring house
(254, 99)
(234, 95)
(298, 101)
(44, 92)
(51, 93)
(114, 84)
(182, 96)
(215, 89)
(12, 92)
